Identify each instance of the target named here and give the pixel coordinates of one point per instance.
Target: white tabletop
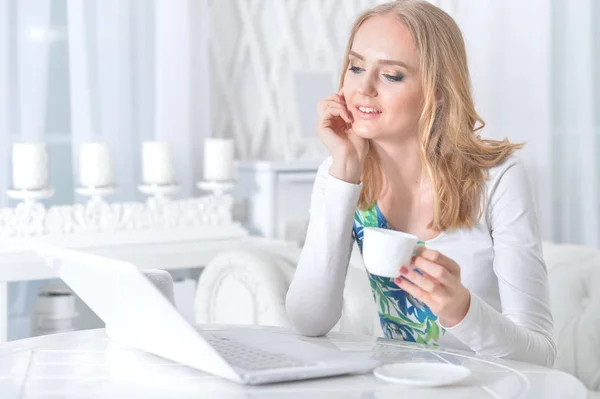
(88, 364)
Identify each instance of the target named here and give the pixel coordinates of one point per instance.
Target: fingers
(413, 290)
(437, 272)
(422, 280)
(434, 270)
(330, 107)
(437, 258)
(338, 111)
(336, 98)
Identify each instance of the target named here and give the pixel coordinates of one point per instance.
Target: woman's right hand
(347, 150)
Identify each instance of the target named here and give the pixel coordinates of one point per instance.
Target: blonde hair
(455, 158)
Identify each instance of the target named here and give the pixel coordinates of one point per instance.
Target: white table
(24, 265)
(88, 364)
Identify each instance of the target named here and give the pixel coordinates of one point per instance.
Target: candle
(95, 165)
(30, 166)
(218, 159)
(157, 163)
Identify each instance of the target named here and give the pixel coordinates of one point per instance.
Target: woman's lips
(367, 115)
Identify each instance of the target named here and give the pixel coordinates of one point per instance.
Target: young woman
(405, 155)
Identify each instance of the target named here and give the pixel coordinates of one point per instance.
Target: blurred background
(181, 71)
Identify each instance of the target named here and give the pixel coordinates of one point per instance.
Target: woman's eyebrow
(384, 62)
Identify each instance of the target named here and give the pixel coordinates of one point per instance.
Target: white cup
(385, 251)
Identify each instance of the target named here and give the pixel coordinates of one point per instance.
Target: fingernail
(403, 270)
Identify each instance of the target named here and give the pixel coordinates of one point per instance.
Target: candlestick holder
(159, 191)
(30, 196)
(159, 194)
(217, 187)
(96, 194)
(28, 216)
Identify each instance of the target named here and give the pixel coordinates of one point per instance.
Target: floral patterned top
(401, 315)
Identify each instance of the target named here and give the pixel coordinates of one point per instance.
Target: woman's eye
(394, 78)
(355, 69)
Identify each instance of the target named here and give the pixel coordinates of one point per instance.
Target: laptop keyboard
(251, 358)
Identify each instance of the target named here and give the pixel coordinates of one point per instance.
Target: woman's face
(382, 87)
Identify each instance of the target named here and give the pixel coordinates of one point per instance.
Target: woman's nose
(367, 87)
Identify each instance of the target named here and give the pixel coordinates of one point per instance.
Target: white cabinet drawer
(278, 196)
(293, 202)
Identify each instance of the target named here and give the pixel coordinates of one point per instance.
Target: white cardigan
(500, 258)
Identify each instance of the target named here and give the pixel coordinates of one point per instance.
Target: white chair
(249, 287)
(163, 281)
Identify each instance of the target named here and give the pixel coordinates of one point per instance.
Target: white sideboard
(276, 202)
(277, 196)
(158, 233)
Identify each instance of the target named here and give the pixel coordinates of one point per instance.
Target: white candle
(157, 163)
(95, 165)
(218, 159)
(30, 166)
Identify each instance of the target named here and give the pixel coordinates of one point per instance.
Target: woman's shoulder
(499, 169)
(509, 170)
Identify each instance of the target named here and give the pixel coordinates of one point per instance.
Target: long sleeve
(524, 329)
(314, 299)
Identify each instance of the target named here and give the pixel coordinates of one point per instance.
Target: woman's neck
(401, 165)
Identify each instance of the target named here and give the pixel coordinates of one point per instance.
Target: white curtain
(25, 40)
(4, 99)
(134, 66)
(534, 68)
(127, 70)
(137, 70)
(24, 47)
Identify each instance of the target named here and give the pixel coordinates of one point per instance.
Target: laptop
(137, 314)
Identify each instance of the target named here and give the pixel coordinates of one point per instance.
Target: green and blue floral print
(402, 316)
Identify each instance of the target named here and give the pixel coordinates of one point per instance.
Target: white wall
(257, 50)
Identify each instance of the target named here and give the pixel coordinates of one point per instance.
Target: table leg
(3, 312)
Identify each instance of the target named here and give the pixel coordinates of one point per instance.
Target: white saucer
(422, 374)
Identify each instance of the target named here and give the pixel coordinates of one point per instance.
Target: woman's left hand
(439, 286)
